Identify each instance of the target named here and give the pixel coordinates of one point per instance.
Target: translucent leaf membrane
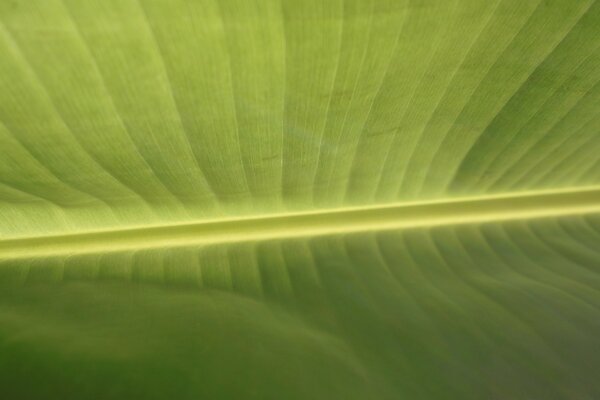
(495, 310)
(233, 199)
(122, 113)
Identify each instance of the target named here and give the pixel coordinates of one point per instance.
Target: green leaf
(299, 199)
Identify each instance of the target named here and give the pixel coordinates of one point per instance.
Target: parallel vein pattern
(300, 199)
(495, 310)
(123, 112)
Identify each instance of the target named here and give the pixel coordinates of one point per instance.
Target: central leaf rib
(525, 205)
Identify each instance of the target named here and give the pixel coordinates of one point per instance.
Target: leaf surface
(299, 199)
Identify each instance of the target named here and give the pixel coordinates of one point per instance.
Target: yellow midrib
(524, 205)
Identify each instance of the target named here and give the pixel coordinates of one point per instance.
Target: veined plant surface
(300, 199)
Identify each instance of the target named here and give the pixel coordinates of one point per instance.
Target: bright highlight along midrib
(456, 211)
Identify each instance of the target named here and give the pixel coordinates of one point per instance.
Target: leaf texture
(299, 199)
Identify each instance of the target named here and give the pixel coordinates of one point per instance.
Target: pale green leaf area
(300, 199)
